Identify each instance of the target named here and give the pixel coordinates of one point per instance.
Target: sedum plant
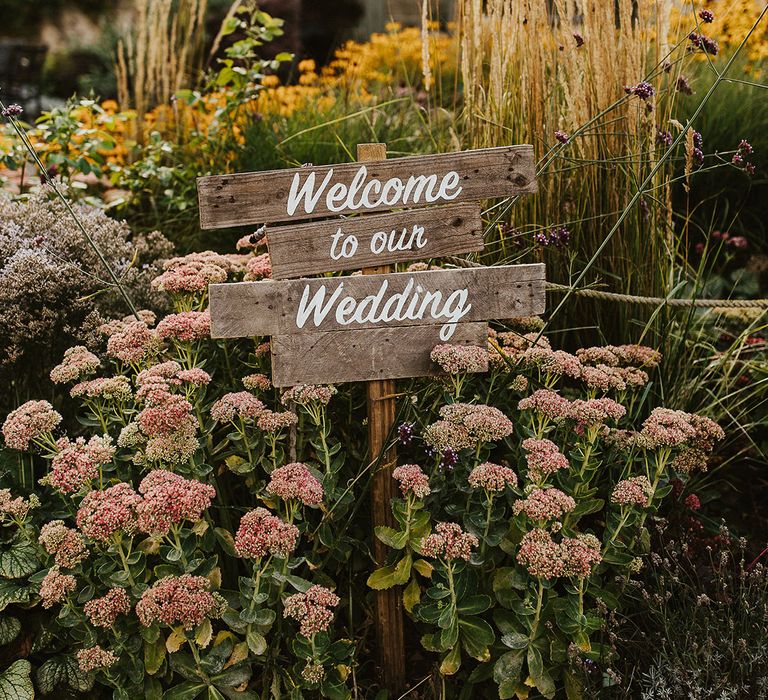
(196, 533)
(515, 534)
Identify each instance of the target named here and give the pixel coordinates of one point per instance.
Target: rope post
(381, 419)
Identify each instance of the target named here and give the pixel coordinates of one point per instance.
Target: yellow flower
(307, 66)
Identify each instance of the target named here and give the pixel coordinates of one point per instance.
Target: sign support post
(381, 419)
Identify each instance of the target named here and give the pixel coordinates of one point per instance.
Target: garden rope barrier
(636, 299)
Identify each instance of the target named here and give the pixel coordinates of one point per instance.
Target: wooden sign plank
(378, 239)
(353, 356)
(442, 298)
(321, 191)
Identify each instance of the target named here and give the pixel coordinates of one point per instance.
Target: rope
(635, 299)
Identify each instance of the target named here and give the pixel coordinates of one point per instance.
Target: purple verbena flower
(745, 148)
(698, 140)
(706, 16)
(684, 86)
(13, 110)
(562, 137)
(449, 459)
(405, 433)
(643, 90)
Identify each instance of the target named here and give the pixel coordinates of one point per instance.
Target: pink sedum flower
(634, 491)
(412, 480)
(668, 428)
(595, 412)
(102, 612)
(95, 658)
(185, 327)
(78, 462)
(135, 343)
(540, 554)
(690, 460)
(580, 555)
(102, 514)
(494, 478)
(29, 422)
(78, 362)
(552, 362)
(262, 533)
(16, 508)
(241, 404)
(306, 394)
(597, 356)
(544, 458)
(448, 542)
(55, 587)
(65, 544)
(194, 376)
(258, 267)
(545, 402)
(313, 610)
(636, 355)
(171, 414)
(484, 423)
(457, 359)
(179, 600)
(257, 382)
(170, 499)
(107, 388)
(603, 378)
(273, 422)
(444, 435)
(191, 274)
(544, 505)
(295, 481)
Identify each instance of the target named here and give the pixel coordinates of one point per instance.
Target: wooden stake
(381, 418)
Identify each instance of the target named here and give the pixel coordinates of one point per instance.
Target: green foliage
(15, 683)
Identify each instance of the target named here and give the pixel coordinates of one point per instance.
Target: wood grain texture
(382, 409)
(262, 197)
(355, 356)
(305, 249)
(269, 307)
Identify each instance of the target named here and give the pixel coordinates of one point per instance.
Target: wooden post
(381, 418)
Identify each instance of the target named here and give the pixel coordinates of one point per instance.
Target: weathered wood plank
(378, 239)
(334, 357)
(415, 181)
(281, 307)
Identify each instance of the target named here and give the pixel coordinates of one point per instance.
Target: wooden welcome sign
(382, 325)
(340, 329)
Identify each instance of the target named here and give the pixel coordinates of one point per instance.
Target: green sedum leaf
(188, 690)
(382, 578)
(395, 539)
(154, 655)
